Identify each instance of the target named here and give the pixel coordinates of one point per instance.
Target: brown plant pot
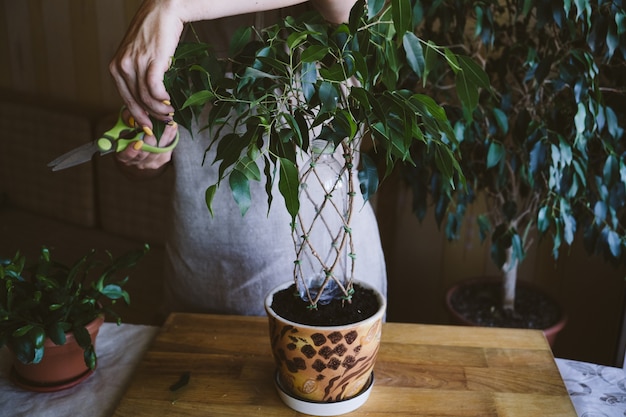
(490, 293)
(61, 367)
(330, 366)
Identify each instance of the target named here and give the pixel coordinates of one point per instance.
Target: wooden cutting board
(422, 370)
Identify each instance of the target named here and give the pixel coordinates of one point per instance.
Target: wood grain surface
(422, 370)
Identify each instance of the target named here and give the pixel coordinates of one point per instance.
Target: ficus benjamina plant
(344, 82)
(545, 149)
(47, 299)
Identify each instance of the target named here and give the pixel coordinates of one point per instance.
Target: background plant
(546, 151)
(303, 78)
(47, 299)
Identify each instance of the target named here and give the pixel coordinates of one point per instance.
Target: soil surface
(482, 304)
(288, 304)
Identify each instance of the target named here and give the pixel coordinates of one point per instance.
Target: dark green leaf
(484, 227)
(288, 186)
(614, 242)
(56, 333)
(368, 177)
(239, 39)
(543, 219)
(502, 120)
(240, 188)
(374, 7)
(495, 154)
(208, 197)
(89, 355)
(199, 99)
(414, 53)
(113, 291)
(82, 337)
(328, 96)
(314, 53)
(402, 15)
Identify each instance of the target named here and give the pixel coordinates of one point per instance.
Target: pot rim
(382, 306)
(563, 319)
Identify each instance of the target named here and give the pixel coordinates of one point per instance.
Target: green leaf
(56, 333)
(368, 177)
(599, 212)
(249, 168)
(21, 331)
(288, 186)
(199, 99)
(414, 53)
(296, 38)
(431, 60)
(240, 189)
(614, 242)
(502, 120)
(255, 74)
(610, 170)
(335, 72)
(484, 226)
(402, 15)
(209, 194)
(446, 164)
(328, 96)
(518, 247)
(579, 119)
(113, 291)
(239, 39)
(89, 355)
(495, 154)
(474, 72)
(314, 53)
(374, 7)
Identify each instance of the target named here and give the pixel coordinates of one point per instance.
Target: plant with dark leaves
(304, 79)
(47, 299)
(547, 150)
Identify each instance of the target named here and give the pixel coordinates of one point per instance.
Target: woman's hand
(144, 54)
(138, 164)
(142, 59)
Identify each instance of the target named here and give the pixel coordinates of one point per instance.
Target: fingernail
(167, 102)
(171, 114)
(172, 123)
(137, 145)
(147, 131)
(131, 121)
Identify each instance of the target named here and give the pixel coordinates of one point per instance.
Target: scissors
(115, 139)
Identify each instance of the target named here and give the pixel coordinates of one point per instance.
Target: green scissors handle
(120, 136)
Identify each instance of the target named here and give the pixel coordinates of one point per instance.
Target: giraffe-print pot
(324, 364)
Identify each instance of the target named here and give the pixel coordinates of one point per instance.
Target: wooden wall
(60, 49)
(57, 51)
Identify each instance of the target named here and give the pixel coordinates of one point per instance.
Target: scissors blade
(74, 157)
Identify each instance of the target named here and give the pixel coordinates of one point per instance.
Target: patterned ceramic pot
(324, 364)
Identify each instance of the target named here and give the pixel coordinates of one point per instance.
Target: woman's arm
(144, 55)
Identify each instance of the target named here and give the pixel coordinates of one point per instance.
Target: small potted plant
(545, 151)
(302, 96)
(50, 314)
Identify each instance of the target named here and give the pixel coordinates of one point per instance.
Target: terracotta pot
(550, 332)
(61, 367)
(328, 364)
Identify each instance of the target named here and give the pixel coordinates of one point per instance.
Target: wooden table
(422, 370)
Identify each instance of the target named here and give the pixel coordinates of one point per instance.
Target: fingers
(144, 97)
(138, 159)
(143, 57)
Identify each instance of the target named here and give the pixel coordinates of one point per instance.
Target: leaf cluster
(303, 78)
(546, 150)
(47, 299)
